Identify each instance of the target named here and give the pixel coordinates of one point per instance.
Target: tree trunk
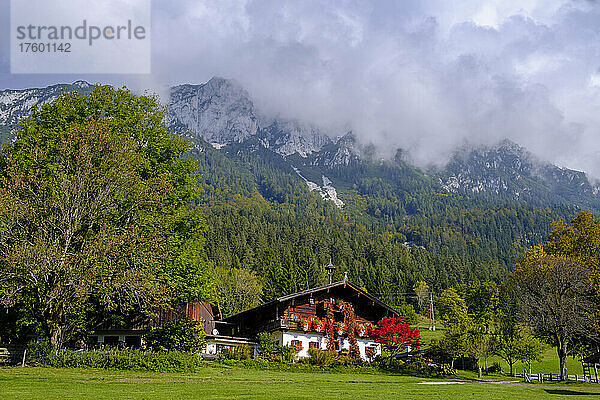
(55, 325)
(486, 367)
(478, 368)
(452, 364)
(56, 335)
(562, 356)
(510, 364)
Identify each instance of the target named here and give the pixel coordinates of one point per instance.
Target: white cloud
(424, 75)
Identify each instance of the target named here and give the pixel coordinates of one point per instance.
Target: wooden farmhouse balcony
(283, 323)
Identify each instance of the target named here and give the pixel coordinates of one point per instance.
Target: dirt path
(594, 389)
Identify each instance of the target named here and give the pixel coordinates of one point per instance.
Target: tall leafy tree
(482, 299)
(422, 292)
(479, 344)
(238, 289)
(507, 331)
(580, 240)
(553, 297)
(507, 336)
(453, 310)
(530, 349)
(452, 344)
(94, 209)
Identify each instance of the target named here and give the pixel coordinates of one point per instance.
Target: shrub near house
(395, 336)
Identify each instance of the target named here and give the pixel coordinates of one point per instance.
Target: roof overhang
(309, 292)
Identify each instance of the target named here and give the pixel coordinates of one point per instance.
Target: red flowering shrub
(318, 325)
(329, 326)
(394, 335)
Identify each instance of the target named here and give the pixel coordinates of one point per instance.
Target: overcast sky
(422, 75)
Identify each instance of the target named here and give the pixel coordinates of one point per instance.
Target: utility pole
(431, 313)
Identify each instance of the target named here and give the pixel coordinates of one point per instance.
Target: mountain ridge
(281, 205)
(221, 112)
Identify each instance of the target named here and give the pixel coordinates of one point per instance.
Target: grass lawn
(219, 382)
(549, 363)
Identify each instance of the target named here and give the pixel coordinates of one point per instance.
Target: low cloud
(423, 75)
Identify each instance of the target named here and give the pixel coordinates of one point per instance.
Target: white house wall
(212, 343)
(363, 344)
(305, 339)
(286, 337)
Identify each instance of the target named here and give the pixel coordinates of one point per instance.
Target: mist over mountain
(425, 76)
(222, 113)
(280, 196)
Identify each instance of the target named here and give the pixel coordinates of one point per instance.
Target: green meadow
(549, 363)
(220, 382)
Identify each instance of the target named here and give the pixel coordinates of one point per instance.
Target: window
(133, 341)
(370, 351)
(313, 344)
(111, 340)
(223, 347)
(297, 345)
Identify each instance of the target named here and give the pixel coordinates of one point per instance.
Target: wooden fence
(553, 377)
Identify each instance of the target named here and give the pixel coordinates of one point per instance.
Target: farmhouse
(337, 316)
(130, 331)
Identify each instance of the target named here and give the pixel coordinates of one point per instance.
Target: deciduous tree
(237, 289)
(482, 299)
(422, 292)
(395, 336)
(553, 294)
(479, 344)
(94, 204)
(453, 310)
(580, 240)
(530, 349)
(507, 338)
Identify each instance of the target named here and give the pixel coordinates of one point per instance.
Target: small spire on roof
(330, 271)
(345, 276)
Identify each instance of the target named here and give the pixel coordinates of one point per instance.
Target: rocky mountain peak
(16, 104)
(342, 152)
(509, 170)
(288, 137)
(220, 110)
(82, 84)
